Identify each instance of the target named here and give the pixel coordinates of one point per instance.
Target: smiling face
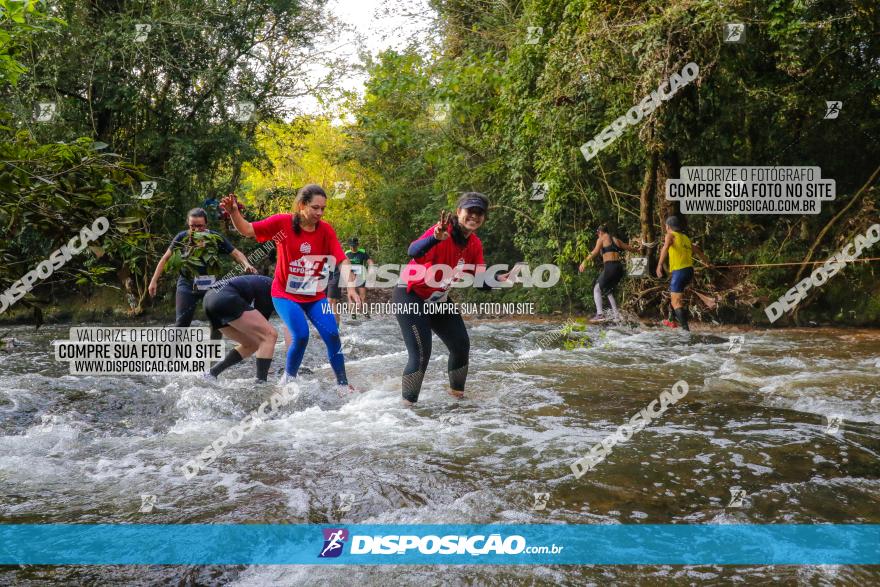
(470, 219)
(312, 212)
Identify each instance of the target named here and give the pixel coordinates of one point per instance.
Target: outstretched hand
(229, 203)
(440, 229)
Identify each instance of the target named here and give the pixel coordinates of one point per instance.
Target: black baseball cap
(473, 200)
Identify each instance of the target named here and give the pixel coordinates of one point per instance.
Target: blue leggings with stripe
(294, 315)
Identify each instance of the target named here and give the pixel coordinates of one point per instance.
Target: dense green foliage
(520, 111)
(489, 111)
(155, 91)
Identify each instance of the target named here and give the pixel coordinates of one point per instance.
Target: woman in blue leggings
(304, 243)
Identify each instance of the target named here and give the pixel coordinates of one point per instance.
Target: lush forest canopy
(506, 99)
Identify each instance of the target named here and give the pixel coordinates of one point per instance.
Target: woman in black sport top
(609, 247)
(240, 309)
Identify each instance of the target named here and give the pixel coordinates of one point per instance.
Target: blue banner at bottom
(490, 544)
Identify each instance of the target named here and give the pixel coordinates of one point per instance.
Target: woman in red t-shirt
(303, 243)
(452, 246)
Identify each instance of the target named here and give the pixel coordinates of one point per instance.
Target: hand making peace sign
(440, 232)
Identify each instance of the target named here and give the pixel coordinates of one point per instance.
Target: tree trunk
(646, 207)
(671, 170)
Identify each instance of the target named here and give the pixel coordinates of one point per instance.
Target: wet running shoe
(670, 324)
(599, 318)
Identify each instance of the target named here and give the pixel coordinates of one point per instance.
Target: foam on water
(79, 449)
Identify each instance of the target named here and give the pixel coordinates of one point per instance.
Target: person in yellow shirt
(679, 248)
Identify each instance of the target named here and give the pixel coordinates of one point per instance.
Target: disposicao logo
(334, 540)
(475, 545)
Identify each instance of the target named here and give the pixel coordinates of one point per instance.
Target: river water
(789, 417)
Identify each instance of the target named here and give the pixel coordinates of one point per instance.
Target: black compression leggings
(417, 328)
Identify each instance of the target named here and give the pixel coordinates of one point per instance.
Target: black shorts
(225, 305)
(612, 273)
(333, 291)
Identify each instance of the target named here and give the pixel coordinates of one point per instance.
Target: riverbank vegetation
(505, 100)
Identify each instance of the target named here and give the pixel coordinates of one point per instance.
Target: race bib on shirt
(301, 285)
(357, 269)
(204, 282)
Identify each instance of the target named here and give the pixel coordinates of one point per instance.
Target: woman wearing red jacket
(453, 244)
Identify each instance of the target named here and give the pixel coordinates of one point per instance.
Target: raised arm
(230, 205)
(418, 248)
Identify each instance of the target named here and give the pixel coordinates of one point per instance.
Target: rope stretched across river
(784, 264)
(655, 243)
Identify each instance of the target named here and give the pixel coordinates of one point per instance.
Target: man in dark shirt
(189, 292)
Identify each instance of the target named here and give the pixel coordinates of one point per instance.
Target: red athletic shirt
(446, 252)
(292, 272)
